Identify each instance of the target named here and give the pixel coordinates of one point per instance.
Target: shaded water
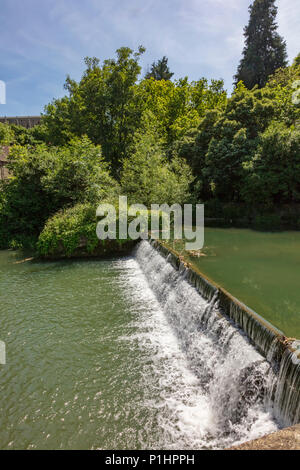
(98, 356)
(260, 269)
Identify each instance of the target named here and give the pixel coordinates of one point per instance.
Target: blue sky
(44, 40)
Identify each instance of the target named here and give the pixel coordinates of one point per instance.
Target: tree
(108, 102)
(178, 106)
(265, 49)
(147, 177)
(69, 230)
(6, 134)
(296, 62)
(102, 106)
(274, 171)
(79, 174)
(284, 85)
(226, 140)
(46, 180)
(160, 70)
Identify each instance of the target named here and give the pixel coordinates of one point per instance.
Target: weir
(245, 365)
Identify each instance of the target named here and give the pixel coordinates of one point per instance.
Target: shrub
(46, 180)
(69, 229)
(6, 134)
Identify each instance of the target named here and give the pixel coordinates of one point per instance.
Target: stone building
(25, 121)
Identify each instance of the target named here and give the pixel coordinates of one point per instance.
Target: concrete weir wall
(267, 339)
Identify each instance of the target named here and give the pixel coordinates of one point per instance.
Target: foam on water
(207, 384)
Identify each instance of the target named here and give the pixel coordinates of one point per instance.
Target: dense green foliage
(107, 105)
(6, 134)
(69, 229)
(297, 60)
(47, 179)
(273, 173)
(72, 232)
(155, 141)
(265, 50)
(13, 134)
(147, 176)
(103, 105)
(160, 70)
(235, 153)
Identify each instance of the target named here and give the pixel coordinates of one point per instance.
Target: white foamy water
(124, 354)
(206, 385)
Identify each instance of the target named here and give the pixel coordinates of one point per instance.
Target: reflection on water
(260, 269)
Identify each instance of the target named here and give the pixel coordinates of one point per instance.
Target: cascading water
(135, 353)
(238, 390)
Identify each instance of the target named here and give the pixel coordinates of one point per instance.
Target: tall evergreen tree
(265, 49)
(297, 60)
(160, 70)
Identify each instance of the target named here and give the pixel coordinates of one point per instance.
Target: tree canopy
(46, 180)
(155, 141)
(102, 106)
(297, 60)
(265, 50)
(160, 70)
(108, 102)
(147, 176)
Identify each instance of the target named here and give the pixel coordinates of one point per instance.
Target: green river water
(80, 372)
(260, 269)
(93, 360)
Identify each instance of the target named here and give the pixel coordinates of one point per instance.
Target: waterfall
(236, 356)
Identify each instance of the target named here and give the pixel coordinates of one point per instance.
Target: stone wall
(281, 352)
(286, 439)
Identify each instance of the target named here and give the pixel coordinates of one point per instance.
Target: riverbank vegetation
(158, 140)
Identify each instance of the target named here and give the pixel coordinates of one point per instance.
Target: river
(261, 269)
(95, 360)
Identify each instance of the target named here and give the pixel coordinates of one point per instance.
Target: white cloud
(200, 37)
(289, 25)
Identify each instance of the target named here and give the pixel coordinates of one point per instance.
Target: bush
(72, 232)
(68, 230)
(6, 134)
(46, 180)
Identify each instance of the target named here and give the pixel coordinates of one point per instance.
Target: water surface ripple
(93, 363)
